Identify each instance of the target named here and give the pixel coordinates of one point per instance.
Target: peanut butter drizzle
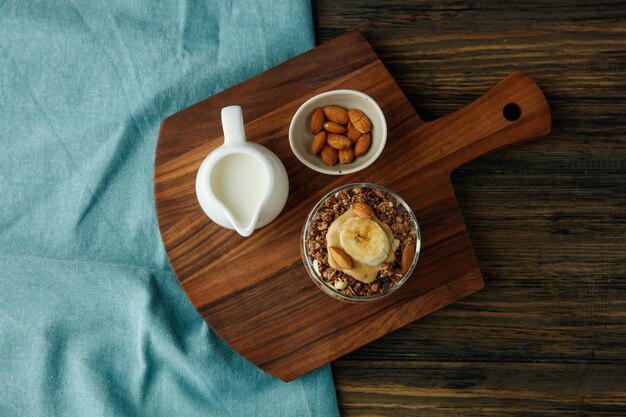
(362, 272)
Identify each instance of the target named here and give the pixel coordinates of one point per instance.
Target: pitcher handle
(232, 124)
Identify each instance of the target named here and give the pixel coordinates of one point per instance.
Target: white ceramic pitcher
(241, 185)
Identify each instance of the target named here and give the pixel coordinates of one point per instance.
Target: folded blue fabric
(92, 319)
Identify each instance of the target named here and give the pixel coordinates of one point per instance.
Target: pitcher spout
(245, 230)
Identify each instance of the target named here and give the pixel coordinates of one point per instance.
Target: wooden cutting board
(254, 292)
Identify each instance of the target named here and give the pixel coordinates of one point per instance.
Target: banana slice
(364, 240)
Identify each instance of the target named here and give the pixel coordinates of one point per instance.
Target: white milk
(240, 181)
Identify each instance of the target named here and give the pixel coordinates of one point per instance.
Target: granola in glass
(388, 267)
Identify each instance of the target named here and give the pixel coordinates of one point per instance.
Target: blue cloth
(92, 319)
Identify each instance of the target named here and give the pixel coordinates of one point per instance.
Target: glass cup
(319, 280)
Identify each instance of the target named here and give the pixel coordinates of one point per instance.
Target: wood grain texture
(480, 388)
(254, 292)
(547, 219)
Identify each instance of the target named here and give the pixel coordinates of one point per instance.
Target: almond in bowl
(361, 242)
(338, 132)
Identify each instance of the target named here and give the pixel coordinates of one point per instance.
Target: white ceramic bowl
(300, 135)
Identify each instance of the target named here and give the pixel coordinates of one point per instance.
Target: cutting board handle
(513, 111)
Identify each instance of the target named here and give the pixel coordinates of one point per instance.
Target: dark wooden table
(547, 336)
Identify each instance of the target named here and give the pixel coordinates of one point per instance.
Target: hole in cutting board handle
(511, 112)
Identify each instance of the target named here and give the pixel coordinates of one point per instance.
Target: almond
(408, 253)
(336, 114)
(346, 155)
(363, 125)
(353, 134)
(363, 211)
(362, 145)
(332, 127)
(360, 121)
(355, 114)
(338, 141)
(329, 155)
(342, 259)
(317, 120)
(318, 142)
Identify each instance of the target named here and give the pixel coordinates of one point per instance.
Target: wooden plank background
(547, 336)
